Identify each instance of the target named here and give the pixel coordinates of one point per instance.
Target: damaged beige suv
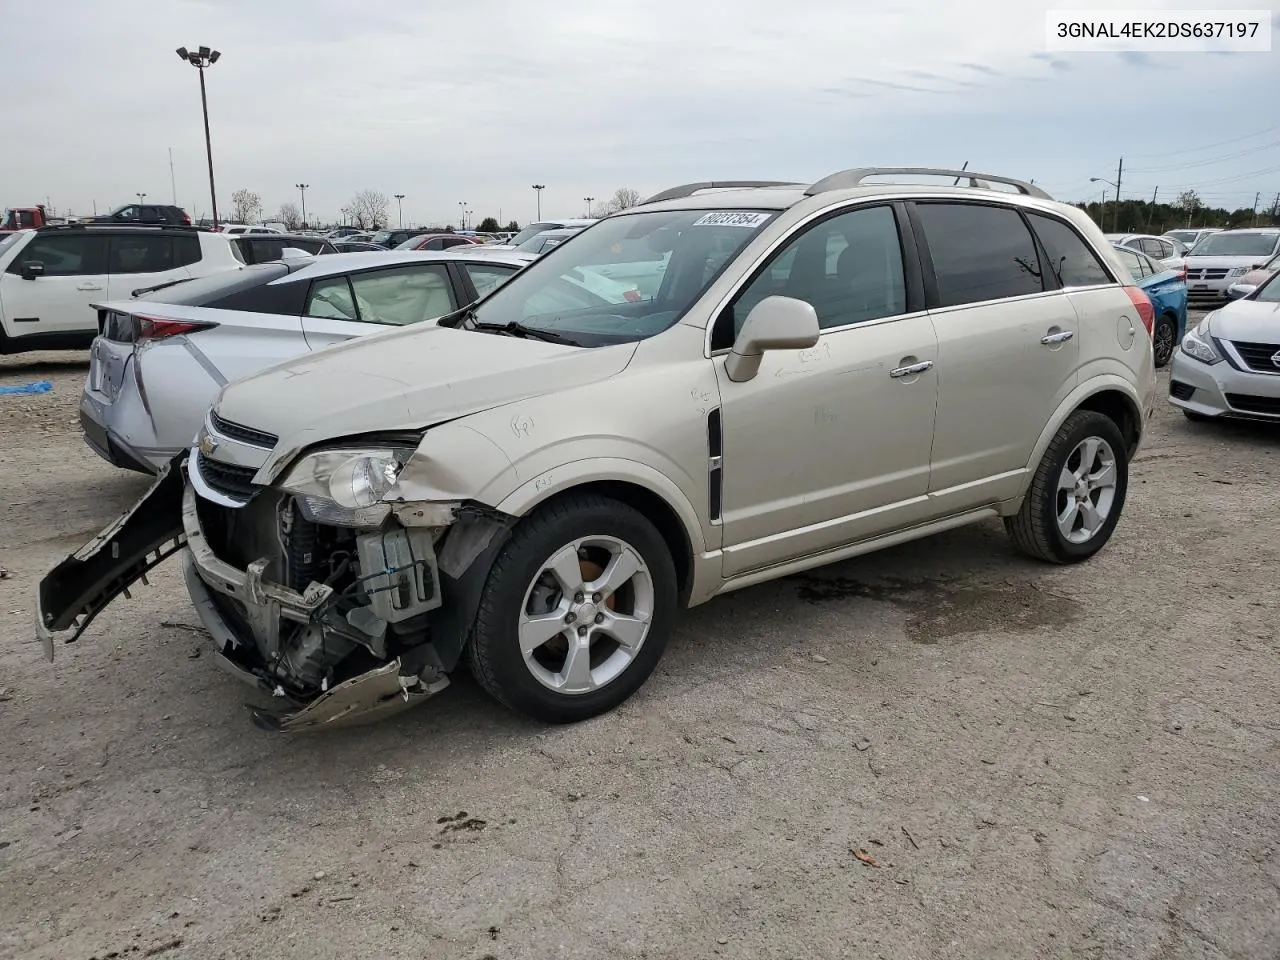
(726, 384)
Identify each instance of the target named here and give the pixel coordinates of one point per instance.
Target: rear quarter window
(1070, 258)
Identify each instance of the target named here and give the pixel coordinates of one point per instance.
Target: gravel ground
(943, 750)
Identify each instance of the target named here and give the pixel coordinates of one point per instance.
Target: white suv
(538, 483)
(50, 276)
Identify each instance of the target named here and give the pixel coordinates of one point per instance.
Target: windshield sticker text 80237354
(731, 218)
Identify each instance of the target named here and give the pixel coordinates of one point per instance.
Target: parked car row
(535, 483)
(1221, 258)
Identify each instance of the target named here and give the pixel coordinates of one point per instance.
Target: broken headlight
(345, 487)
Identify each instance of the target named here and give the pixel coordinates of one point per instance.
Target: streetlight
(201, 58)
(588, 199)
(463, 216)
(302, 188)
(537, 189)
(399, 197)
(1115, 213)
(141, 197)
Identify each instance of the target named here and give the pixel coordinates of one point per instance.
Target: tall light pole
(537, 189)
(400, 197)
(302, 189)
(141, 197)
(588, 199)
(1115, 213)
(462, 217)
(200, 59)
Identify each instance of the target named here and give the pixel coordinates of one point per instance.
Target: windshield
(382, 236)
(1182, 236)
(1269, 292)
(532, 230)
(626, 278)
(1236, 245)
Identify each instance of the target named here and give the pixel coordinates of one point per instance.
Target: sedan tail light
(158, 328)
(1142, 303)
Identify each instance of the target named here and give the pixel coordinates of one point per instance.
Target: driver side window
(848, 267)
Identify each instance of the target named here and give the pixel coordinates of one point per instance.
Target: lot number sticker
(731, 218)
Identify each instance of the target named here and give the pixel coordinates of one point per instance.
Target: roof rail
(689, 189)
(854, 177)
(122, 225)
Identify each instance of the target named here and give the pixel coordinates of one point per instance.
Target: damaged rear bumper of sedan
(374, 633)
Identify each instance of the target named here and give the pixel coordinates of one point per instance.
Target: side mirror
(1238, 291)
(775, 323)
(32, 269)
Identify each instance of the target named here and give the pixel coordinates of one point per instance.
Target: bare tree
(623, 198)
(369, 209)
(1188, 202)
(289, 215)
(245, 206)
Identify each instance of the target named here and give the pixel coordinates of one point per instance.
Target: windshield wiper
(515, 328)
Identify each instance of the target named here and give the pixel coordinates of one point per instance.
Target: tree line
(369, 210)
(1186, 210)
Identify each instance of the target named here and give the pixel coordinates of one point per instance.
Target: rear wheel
(576, 611)
(1164, 339)
(1076, 494)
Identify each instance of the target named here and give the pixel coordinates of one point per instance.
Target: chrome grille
(1259, 356)
(1207, 273)
(236, 431)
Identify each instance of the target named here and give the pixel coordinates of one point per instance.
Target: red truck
(25, 218)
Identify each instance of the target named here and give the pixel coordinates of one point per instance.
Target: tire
(1196, 417)
(525, 591)
(1164, 339)
(1035, 529)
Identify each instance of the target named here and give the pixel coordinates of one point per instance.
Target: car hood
(406, 380)
(1248, 261)
(1251, 321)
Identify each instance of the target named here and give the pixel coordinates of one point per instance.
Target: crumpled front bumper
(363, 699)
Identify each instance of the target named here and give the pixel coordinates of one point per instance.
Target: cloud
(1141, 60)
(476, 99)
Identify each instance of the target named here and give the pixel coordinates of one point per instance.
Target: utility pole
(537, 189)
(173, 184)
(1256, 197)
(1152, 212)
(1115, 217)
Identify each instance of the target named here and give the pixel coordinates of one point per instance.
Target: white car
(237, 228)
(1228, 367)
(1166, 251)
(1221, 259)
(1190, 237)
(50, 276)
(162, 358)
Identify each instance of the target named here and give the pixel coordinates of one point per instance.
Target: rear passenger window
(979, 252)
(186, 251)
(140, 253)
(1069, 257)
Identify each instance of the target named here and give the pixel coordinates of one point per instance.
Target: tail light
(158, 328)
(186, 218)
(1182, 273)
(633, 295)
(1142, 303)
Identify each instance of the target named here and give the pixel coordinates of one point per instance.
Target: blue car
(1168, 292)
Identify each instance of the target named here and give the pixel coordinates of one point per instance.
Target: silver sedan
(1229, 365)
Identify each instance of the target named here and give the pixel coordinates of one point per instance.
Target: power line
(1211, 160)
(1208, 146)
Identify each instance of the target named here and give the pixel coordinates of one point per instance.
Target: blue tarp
(40, 386)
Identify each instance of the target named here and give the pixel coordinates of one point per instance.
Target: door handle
(88, 286)
(911, 369)
(1061, 337)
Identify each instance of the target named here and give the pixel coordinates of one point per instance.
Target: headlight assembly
(345, 487)
(1199, 344)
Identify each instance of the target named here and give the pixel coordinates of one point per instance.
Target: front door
(58, 301)
(830, 445)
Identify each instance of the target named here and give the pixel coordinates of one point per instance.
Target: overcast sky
(476, 100)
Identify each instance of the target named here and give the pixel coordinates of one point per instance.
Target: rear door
(58, 301)
(339, 308)
(1007, 347)
(145, 258)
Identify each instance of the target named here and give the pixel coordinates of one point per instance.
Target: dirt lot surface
(943, 750)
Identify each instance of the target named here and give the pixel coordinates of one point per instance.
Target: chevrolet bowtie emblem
(207, 444)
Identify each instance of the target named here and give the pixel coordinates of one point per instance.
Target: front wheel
(576, 611)
(1164, 339)
(1076, 494)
